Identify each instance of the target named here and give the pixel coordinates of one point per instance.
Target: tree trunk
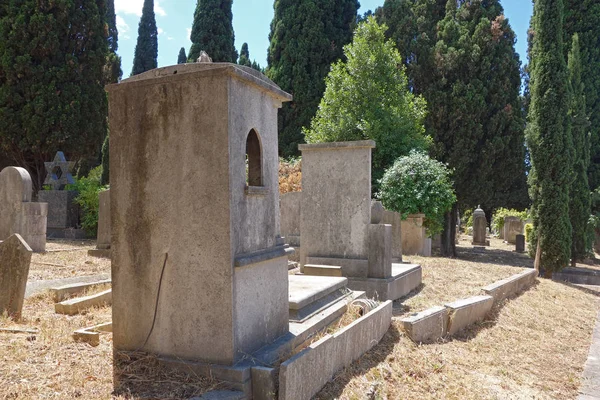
(448, 247)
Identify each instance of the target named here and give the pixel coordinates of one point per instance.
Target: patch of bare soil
(65, 259)
(532, 346)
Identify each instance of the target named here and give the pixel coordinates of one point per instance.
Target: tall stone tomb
(336, 224)
(18, 214)
(480, 228)
(63, 212)
(199, 270)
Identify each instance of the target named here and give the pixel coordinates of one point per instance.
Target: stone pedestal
(194, 212)
(15, 257)
(513, 226)
(63, 213)
(480, 228)
(395, 220)
(414, 236)
(520, 243)
(17, 213)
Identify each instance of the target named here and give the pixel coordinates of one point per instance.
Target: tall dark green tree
(549, 138)
(212, 31)
(583, 17)
(475, 116)
(181, 58)
(245, 56)
(580, 205)
(146, 50)
(306, 37)
(52, 59)
(113, 65)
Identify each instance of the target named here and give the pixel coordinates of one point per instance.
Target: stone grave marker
(520, 243)
(15, 257)
(480, 228)
(17, 213)
(513, 226)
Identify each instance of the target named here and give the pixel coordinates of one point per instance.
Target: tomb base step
(66, 233)
(405, 278)
(99, 253)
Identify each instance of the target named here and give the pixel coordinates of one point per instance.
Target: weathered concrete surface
(34, 287)
(590, 381)
(91, 335)
(426, 326)
(513, 226)
(377, 211)
(336, 190)
(380, 251)
(394, 219)
(290, 206)
(180, 208)
(413, 235)
(222, 395)
(350, 267)
(405, 278)
(479, 228)
(520, 243)
(510, 286)
(100, 253)
(305, 289)
(63, 292)
(302, 376)
(63, 211)
(322, 270)
(264, 385)
(465, 312)
(17, 213)
(75, 306)
(579, 276)
(103, 237)
(15, 258)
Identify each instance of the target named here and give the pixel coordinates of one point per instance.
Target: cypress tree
(549, 138)
(181, 58)
(245, 56)
(146, 49)
(583, 17)
(580, 205)
(113, 67)
(52, 59)
(212, 31)
(306, 38)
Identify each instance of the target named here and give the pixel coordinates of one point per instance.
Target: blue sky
(251, 22)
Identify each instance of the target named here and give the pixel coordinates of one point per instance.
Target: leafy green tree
(549, 138)
(146, 50)
(105, 177)
(52, 60)
(212, 31)
(306, 37)
(583, 17)
(367, 97)
(417, 184)
(475, 117)
(245, 56)
(580, 205)
(181, 58)
(113, 65)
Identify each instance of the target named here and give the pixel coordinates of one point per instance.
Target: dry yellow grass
(534, 346)
(290, 176)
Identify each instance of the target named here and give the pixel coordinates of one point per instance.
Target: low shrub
(88, 199)
(501, 213)
(290, 175)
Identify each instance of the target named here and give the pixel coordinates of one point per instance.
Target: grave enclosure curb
(436, 322)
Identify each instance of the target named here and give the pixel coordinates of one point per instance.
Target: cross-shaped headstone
(59, 172)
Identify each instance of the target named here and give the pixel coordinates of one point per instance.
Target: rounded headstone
(376, 212)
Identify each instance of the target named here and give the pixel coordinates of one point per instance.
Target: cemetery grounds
(533, 345)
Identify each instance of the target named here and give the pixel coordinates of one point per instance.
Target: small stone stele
(15, 257)
(204, 58)
(520, 244)
(479, 228)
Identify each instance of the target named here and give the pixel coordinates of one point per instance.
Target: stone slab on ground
(15, 258)
(322, 270)
(75, 306)
(426, 326)
(305, 289)
(579, 276)
(100, 253)
(405, 278)
(222, 395)
(303, 375)
(590, 380)
(61, 293)
(91, 335)
(510, 286)
(465, 312)
(34, 287)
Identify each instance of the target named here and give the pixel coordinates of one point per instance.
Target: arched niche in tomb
(254, 159)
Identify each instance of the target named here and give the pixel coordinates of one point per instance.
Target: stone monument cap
(337, 145)
(59, 172)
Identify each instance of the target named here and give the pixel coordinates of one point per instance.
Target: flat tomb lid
(306, 289)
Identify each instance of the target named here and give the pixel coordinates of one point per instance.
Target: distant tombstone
(479, 228)
(63, 212)
(513, 226)
(17, 213)
(520, 243)
(103, 237)
(414, 237)
(15, 257)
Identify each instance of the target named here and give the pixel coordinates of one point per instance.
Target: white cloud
(135, 7)
(170, 38)
(160, 31)
(122, 26)
(189, 33)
